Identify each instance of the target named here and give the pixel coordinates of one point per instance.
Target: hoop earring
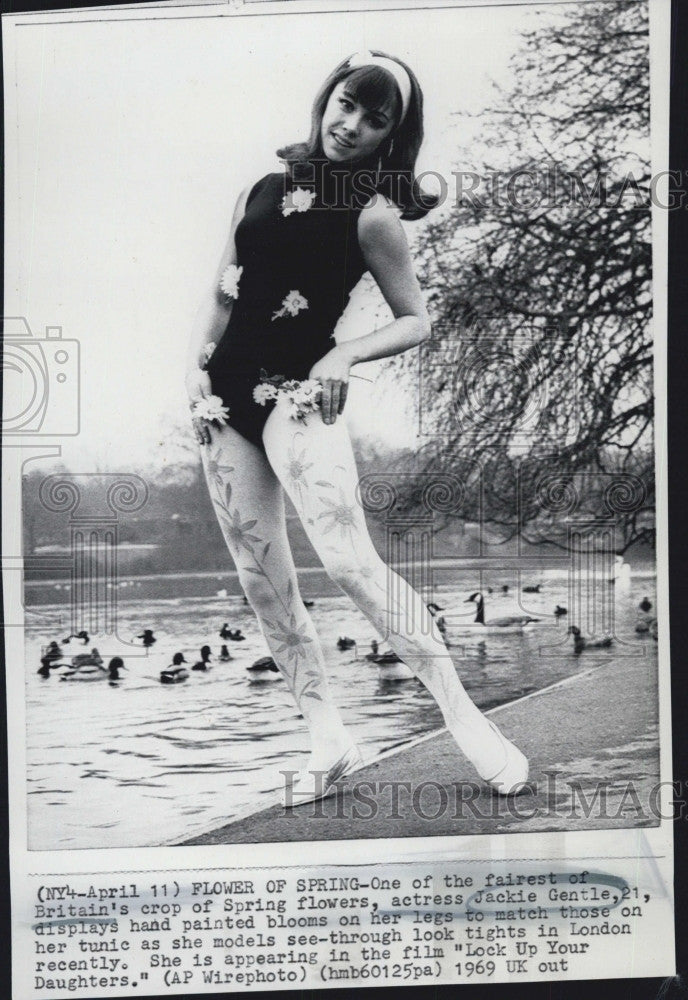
(391, 147)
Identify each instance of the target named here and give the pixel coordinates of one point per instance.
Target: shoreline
(606, 737)
(485, 563)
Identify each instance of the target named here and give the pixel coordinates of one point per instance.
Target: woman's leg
(249, 503)
(316, 466)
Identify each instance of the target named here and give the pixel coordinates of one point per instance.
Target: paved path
(599, 726)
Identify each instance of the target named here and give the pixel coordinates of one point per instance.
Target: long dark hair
(374, 87)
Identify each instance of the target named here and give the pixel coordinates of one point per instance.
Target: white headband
(366, 58)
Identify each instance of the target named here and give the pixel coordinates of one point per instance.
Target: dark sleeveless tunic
(314, 253)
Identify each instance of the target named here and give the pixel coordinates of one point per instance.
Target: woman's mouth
(340, 142)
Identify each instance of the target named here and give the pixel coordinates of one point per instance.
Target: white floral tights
(314, 463)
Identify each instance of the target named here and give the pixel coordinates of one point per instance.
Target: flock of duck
(83, 666)
(91, 666)
(391, 667)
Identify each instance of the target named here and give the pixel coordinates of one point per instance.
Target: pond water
(139, 763)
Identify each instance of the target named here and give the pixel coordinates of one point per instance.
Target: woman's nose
(351, 123)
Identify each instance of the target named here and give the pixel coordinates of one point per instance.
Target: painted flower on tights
(229, 282)
(291, 638)
(366, 571)
(340, 514)
(238, 532)
(298, 200)
(292, 303)
(216, 471)
(296, 466)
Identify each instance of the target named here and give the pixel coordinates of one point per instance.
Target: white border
(655, 843)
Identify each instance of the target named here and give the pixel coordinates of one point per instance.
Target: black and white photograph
(345, 331)
(333, 423)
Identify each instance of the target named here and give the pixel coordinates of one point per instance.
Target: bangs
(374, 88)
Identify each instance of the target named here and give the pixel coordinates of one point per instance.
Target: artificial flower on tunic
(229, 282)
(292, 304)
(298, 200)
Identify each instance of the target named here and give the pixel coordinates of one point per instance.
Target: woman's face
(350, 131)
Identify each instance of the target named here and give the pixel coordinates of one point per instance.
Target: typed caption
(192, 933)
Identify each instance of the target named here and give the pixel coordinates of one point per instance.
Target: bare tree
(538, 279)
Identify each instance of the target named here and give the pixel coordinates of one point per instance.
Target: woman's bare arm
(215, 308)
(386, 252)
(209, 324)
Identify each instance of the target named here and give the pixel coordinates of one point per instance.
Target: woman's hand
(332, 372)
(198, 386)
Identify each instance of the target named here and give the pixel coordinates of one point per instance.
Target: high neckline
(335, 184)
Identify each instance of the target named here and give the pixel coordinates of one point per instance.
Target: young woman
(300, 240)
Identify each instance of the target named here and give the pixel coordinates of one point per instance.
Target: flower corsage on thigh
(302, 396)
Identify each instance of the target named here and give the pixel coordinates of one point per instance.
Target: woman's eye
(347, 105)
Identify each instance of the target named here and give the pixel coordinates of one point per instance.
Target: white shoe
(311, 786)
(512, 776)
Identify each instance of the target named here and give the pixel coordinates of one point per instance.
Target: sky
(132, 140)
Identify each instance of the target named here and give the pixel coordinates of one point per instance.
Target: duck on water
(264, 669)
(204, 663)
(235, 634)
(516, 623)
(90, 667)
(176, 672)
(83, 635)
(390, 667)
(580, 643)
(52, 658)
